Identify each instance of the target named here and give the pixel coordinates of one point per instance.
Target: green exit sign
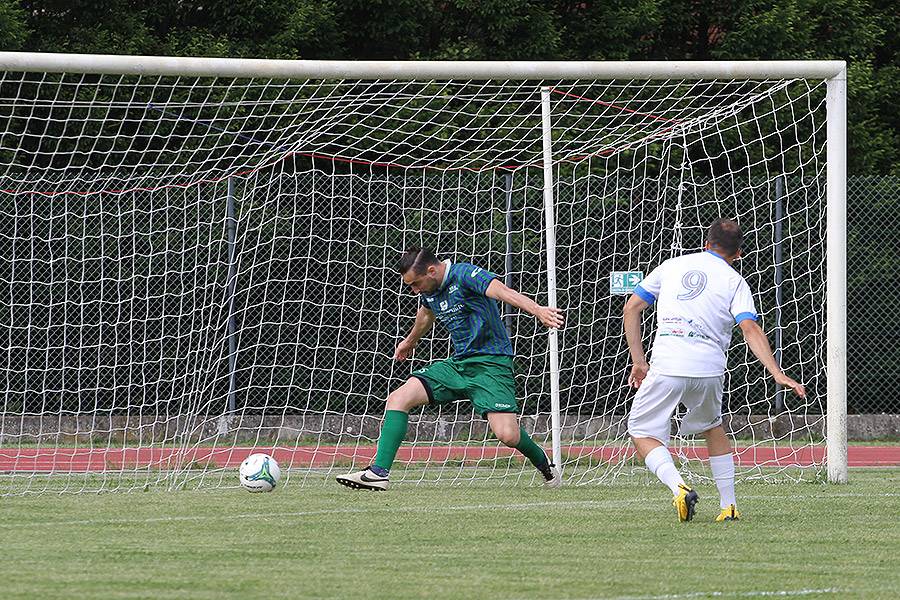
(624, 282)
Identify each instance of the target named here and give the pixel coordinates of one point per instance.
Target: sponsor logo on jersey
(453, 288)
(444, 305)
(671, 332)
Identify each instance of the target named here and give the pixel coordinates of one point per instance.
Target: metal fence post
(508, 277)
(231, 231)
(779, 214)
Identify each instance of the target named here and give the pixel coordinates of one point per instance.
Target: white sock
(723, 472)
(660, 463)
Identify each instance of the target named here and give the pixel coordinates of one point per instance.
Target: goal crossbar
(341, 69)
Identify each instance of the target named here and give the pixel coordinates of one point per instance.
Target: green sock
(393, 432)
(532, 451)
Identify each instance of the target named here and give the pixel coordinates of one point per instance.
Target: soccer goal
(197, 257)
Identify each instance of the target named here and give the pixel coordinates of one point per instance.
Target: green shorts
(487, 380)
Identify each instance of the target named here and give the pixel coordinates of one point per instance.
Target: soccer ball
(259, 473)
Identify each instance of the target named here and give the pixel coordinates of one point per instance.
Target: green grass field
(805, 540)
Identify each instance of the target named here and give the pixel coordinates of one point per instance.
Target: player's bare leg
(410, 395)
(659, 462)
(721, 462)
(507, 429)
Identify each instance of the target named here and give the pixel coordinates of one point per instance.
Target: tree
(13, 25)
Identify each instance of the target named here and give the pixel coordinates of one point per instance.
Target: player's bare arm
(424, 321)
(632, 323)
(759, 344)
(549, 316)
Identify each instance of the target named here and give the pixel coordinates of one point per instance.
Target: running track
(83, 460)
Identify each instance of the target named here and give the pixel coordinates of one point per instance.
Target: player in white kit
(699, 299)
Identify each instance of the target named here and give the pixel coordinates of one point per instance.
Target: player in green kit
(464, 298)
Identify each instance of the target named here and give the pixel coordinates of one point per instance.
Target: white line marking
(715, 594)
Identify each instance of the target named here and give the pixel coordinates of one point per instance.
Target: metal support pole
(550, 226)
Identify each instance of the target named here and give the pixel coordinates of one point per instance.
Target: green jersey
(472, 318)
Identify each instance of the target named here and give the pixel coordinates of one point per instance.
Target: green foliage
(13, 25)
(86, 26)
(616, 30)
(311, 30)
(873, 141)
(798, 29)
(388, 29)
(863, 32)
(499, 30)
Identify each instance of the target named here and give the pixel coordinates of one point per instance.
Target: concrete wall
(318, 428)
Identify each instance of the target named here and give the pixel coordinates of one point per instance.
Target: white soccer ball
(259, 473)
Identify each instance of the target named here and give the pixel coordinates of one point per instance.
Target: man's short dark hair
(417, 259)
(725, 234)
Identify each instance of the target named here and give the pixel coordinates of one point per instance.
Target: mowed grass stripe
(560, 504)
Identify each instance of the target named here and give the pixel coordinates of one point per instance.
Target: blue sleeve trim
(644, 295)
(744, 316)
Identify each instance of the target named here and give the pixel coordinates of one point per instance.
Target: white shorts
(658, 397)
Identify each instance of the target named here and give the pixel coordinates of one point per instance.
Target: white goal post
(197, 256)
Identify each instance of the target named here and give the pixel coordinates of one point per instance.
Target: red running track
(83, 460)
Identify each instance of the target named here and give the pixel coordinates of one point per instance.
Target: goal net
(199, 263)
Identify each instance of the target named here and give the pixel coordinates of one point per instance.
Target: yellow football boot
(728, 514)
(684, 502)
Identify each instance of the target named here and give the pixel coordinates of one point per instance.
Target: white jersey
(699, 300)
